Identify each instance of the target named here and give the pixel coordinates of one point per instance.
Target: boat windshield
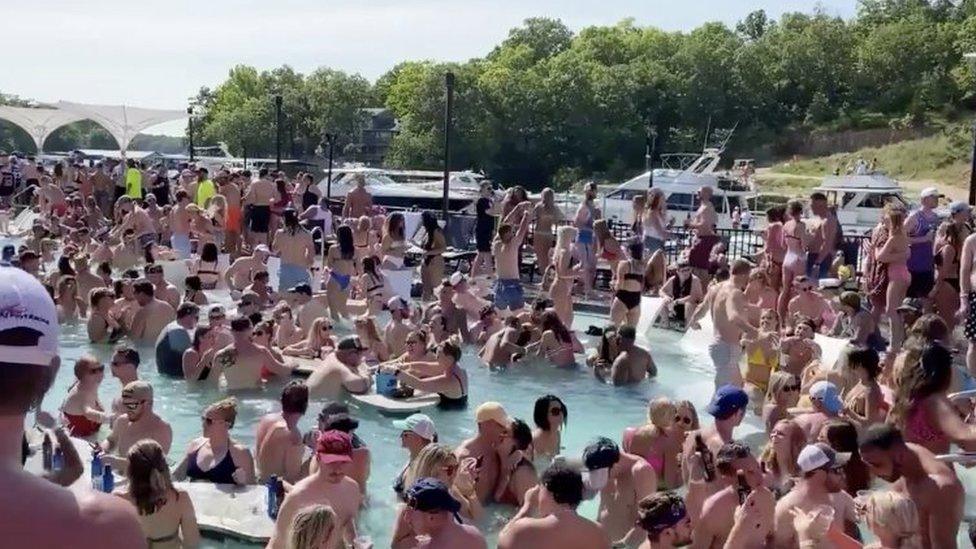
(872, 200)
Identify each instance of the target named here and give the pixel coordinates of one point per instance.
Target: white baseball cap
(418, 424)
(815, 456)
(397, 303)
(262, 248)
(24, 303)
(930, 192)
(457, 277)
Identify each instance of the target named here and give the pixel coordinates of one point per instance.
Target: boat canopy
(876, 182)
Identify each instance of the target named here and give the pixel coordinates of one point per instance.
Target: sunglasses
(326, 328)
(209, 420)
(217, 317)
(97, 370)
(791, 388)
(682, 419)
(412, 341)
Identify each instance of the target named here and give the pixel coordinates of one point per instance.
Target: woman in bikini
(103, 324)
(557, 344)
(316, 344)
(795, 239)
(657, 442)
(376, 350)
(198, 359)
(206, 267)
(864, 403)
(762, 357)
(546, 217)
(626, 305)
(778, 457)
(654, 222)
(373, 288)
(550, 416)
(561, 289)
(216, 457)
(607, 247)
(435, 244)
(217, 212)
(340, 263)
(281, 202)
(81, 412)
(194, 291)
(894, 253)
(445, 376)
(166, 514)
(393, 245)
(945, 293)
(775, 247)
(361, 238)
(782, 393)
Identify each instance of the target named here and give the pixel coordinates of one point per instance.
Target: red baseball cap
(334, 447)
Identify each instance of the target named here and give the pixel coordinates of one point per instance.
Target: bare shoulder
(111, 518)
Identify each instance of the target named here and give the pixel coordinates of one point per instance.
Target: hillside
(941, 160)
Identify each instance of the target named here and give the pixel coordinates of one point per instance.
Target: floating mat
(650, 309)
(175, 272)
(35, 462)
(274, 263)
(400, 281)
(236, 511)
(303, 366)
(398, 406)
(24, 220)
(830, 349)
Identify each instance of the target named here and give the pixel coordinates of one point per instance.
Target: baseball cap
(397, 303)
(930, 192)
(432, 495)
(334, 447)
(958, 207)
(492, 411)
(336, 416)
(727, 400)
(600, 454)
(826, 392)
(187, 173)
(457, 278)
(820, 455)
(138, 390)
(350, 343)
(262, 248)
(24, 303)
(418, 424)
(912, 304)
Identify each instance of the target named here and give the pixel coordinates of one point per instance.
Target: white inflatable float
(231, 510)
(650, 309)
(398, 406)
(401, 280)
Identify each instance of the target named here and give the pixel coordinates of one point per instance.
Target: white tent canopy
(121, 121)
(39, 123)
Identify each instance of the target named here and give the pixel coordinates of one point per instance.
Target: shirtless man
(502, 348)
(358, 200)
(179, 225)
(825, 237)
(622, 480)
(633, 364)
(932, 485)
(464, 298)
(493, 422)
(730, 316)
(703, 223)
(340, 370)
(259, 197)
(827, 405)
(728, 407)
(808, 303)
(84, 519)
(153, 314)
(396, 331)
(329, 486)
(136, 218)
(87, 280)
(296, 249)
(734, 459)
(228, 188)
(306, 305)
(242, 361)
(455, 318)
(138, 422)
(821, 483)
(164, 290)
(278, 441)
(548, 517)
(967, 299)
(432, 512)
(51, 198)
(241, 271)
(664, 517)
(259, 286)
(508, 287)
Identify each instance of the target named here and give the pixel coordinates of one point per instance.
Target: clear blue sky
(157, 54)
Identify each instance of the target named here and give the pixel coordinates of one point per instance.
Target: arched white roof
(38, 123)
(121, 121)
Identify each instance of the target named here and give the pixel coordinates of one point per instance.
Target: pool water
(595, 409)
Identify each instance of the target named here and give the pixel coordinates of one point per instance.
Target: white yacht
(680, 187)
(860, 198)
(406, 189)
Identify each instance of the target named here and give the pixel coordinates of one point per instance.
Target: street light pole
(330, 139)
(649, 155)
(189, 112)
(448, 114)
(277, 100)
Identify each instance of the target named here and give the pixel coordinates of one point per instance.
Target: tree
(754, 26)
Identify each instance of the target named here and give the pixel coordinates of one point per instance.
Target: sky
(157, 54)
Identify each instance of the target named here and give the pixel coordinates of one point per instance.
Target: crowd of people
(98, 255)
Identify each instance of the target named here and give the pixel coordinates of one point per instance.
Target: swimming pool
(595, 409)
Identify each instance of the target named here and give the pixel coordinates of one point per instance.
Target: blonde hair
(428, 461)
(148, 472)
(896, 216)
(227, 409)
(84, 364)
(314, 338)
(897, 514)
(778, 380)
(797, 439)
(565, 236)
(311, 527)
(661, 412)
(601, 230)
(690, 407)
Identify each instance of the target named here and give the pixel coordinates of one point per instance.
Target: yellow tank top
(133, 183)
(205, 191)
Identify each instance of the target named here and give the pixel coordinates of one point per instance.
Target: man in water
(340, 371)
(124, 367)
(730, 316)
(503, 348)
(176, 338)
(493, 422)
(278, 442)
(136, 219)
(664, 517)
(164, 290)
(821, 483)
(932, 485)
(508, 287)
(258, 199)
(455, 318)
(808, 303)
(396, 331)
(138, 422)
(358, 200)
(548, 517)
(433, 512)
(179, 225)
(241, 271)
(241, 363)
(735, 463)
(922, 225)
(586, 214)
(825, 240)
(633, 364)
(296, 250)
(703, 223)
(622, 480)
(827, 405)
(464, 298)
(329, 486)
(84, 519)
(153, 314)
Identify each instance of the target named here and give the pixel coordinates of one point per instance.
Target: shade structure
(38, 123)
(122, 121)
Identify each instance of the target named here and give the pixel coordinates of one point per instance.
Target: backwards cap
(24, 303)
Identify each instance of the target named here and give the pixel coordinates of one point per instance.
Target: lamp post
(330, 140)
(189, 112)
(448, 114)
(971, 56)
(649, 154)
(277, 100)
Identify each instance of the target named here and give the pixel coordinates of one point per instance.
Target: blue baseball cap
(727, 400)
(432, 495)
(827, 394)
